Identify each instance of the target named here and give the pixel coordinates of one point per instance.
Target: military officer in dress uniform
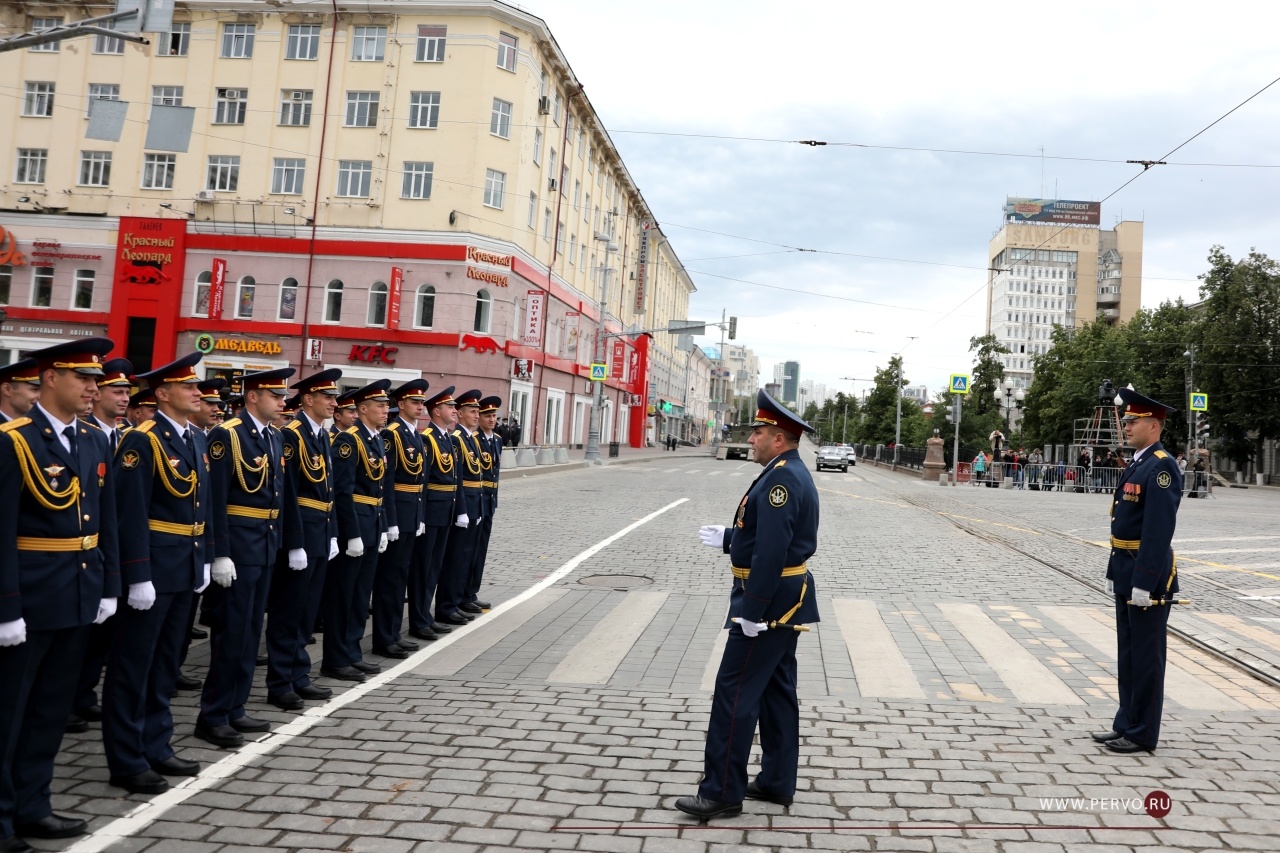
(142, 407)
(344, 416)
(406, 470)
(166, 536)
(490, 464)
(19, 389)
(59, 573)
(247, 456)
(359, 480)
(1142, 573)
(310, 542)
(451, 606)
(440, 514)
(772, 537)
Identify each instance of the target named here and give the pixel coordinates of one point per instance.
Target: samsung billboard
(1053, 210)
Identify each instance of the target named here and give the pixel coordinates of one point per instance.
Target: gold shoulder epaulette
(781, 462)
(89, 423)
(352, 430)
(456, 432)
(395, 425)
(1160, 454)
(293, 425)
(234, 422)
(146, 426)
(14, 424)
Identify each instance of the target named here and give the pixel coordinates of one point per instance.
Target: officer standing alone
(1142, 572)
(772, 537)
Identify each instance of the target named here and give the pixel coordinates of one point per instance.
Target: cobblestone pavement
(953, 680)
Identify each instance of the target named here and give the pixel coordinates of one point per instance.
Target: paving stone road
(965, 653)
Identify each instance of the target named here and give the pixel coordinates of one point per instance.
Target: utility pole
(720, 416)
(955, 453)
(592, 455)
(897, 429)
(1192, 417)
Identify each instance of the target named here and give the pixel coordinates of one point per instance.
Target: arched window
(201, 307)
(484, 302)
(288, 309)
(378, 304)
(426, 308)
(333, 302)
(244, 297)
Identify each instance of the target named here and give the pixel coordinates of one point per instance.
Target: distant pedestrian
(514, 431)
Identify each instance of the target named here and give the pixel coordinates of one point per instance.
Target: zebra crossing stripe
(879, 666)
(1022, 672)
(598, 655)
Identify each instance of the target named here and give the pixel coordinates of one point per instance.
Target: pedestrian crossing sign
(599, 372)
(959, 383)
(1199, 403)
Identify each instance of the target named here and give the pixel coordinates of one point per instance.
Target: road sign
(599, 372)
(959, 383)
(1199, 403)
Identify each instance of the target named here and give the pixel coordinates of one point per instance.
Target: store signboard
(532, 335)
(393, 305)
(217, 287)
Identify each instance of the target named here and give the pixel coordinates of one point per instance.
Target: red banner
(633, 367)
(532, 335)
(217, 285)
(393, 306)
(618, 362)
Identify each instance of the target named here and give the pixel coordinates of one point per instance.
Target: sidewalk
(626, 456)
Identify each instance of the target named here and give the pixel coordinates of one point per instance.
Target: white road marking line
(713, 662)
(598, 655)
(824, 477)
(880, 667)
(736, 474)
(713, 473)
(1021, 671)
(473, 645)
(147, 813)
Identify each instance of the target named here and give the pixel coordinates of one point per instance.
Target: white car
(832, 457)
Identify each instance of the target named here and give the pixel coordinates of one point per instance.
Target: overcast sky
(1098, 80)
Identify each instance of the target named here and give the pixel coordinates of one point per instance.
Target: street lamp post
(597, 392)
(1010, 400)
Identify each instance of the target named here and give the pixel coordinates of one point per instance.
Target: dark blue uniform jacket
(470, 470)
(775, 529)
(403, 446)
(491, 465)
(1144, 513)
(442, 477)
(248, 491)
(359, 472)
(308, 506)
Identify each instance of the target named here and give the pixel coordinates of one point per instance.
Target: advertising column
(150, 259)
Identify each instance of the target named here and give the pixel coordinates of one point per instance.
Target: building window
(507, 51)
(203, 282)
(82, 295)
(224, 174)
(586, 208)
(102, 92)
(368, 44)
(95, 168)
(377, 304)
(577, 193)
(295, 107)
(573, 248)
(288, 299)
(362, 109)
(157, 171)
(244, 298)
(287, 175)
(537, 148)
(303, 42)
(555, 113)
(333, 301)
(166, 96)
(417, 180)
(354, 177)
(546, 224)
(39, 100)
(495, 184)
(31, 163)
(39, 25)
(484, 303)
(174, 42)
(430, 44)
(237, 41)
(581, 147)
(230, 106)
(533, 210)
(552, 163)
(424, 109)
(500, 119)
(582, 258)
(108, 44)
(6, 282)
(560, 238)
(42, 287)
(425, 312)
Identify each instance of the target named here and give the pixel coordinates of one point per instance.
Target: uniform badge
(1163, 479)
(257, 460)
(102, 473)
(778, 495)
(217, 450)
(344, 450)
(54, 470)
(386, 445)
(408, 450)
(288, 451)
(173, 460)
(129, 460)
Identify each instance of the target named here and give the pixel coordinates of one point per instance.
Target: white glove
(393, 533)
(355, 547)
(106, 609)
(751, 629)
(13, 633)
(204, 584)
(333, 547)
(712, 535)
(382, 542)
(142, 595)
(462, 521)
(1140, 597)
(224, 571)
(422, 528)
(1111, 587)
(297, 559)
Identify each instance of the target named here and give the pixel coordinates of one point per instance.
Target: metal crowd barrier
(1047, 477)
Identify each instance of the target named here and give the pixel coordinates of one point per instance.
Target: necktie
(186, 437)
(70, 433)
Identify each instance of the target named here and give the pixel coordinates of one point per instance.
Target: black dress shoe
(707, 809)
(14, 844)
(427, 634)
(754, 792)
(483, 605)
(313, 692)
(342, 673)
(175, 766)
(186, 682)
(391, 652)
(366, 667)
(287, 701)
(260, 661)
(311, 641)
(441, 629)
(75, 725)
(223, 736)
(146, 782)
(408, 645)
(1126, 746)
(93, 713)
(1103, 737)
(199, 634)
(468, 607)
(53, 826)
(250, 724)
(453, 619)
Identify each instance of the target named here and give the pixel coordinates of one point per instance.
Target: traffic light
(733, 328)
(1202, 431)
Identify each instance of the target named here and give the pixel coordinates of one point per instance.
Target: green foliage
(878, 417)
(988, 373)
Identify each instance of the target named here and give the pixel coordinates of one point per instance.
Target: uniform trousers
(424, 576)
(756, 683)
(95, 658)
(1141, 638)
(346, 607)
(390, 582)
(234, 616)
(456, 569)
(37, 686)
(142, 669)
(480, 552)
(191, 624)
(292, 602)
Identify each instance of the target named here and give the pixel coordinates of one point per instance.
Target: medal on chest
(53, 471)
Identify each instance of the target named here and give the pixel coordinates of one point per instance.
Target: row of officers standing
(120, 539)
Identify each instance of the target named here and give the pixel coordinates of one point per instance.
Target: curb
(538, 470)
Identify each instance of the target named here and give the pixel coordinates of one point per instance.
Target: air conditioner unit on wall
(544, 106)
(205, 195)
(551, 184)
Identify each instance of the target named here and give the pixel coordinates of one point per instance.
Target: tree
(880, 413)
(830, 419)
(988, 372)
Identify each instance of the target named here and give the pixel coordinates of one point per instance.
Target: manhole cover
(617, 581)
